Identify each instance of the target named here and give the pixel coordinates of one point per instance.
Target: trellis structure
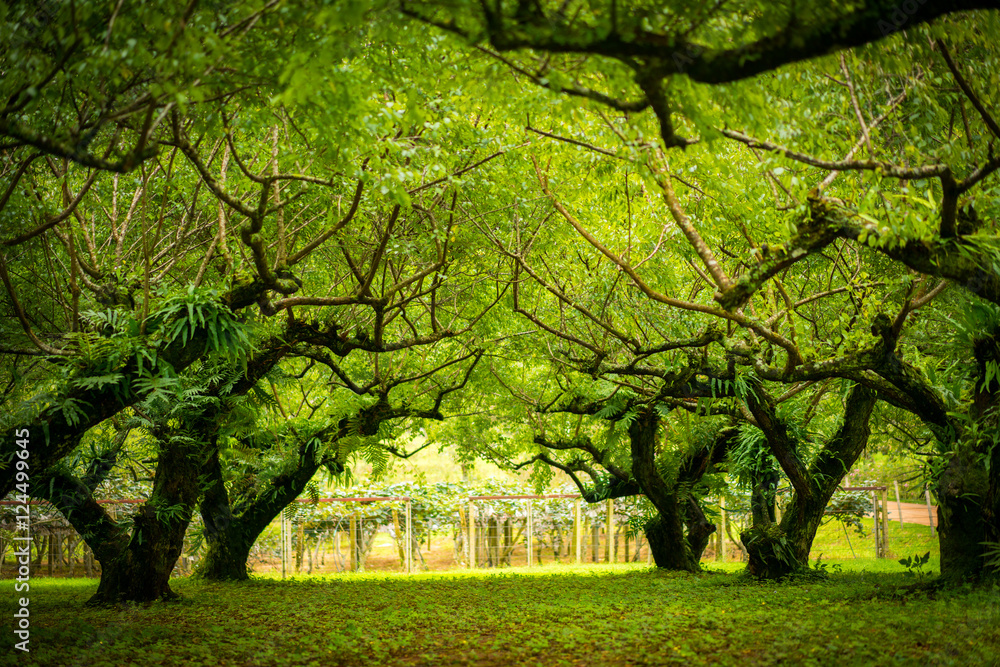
(880, 503)
(57, 540)
(483, 528)
(470, 522)
(354, 529)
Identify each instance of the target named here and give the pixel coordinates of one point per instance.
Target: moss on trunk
(776, 550)
(668, 544)
(961, 490)
(141, 571)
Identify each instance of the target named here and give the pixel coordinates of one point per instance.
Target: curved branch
(22, 317)
(794, 357)
(674, 53)
(967, 89)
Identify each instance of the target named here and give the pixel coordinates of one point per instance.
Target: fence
(491, 541)
(479, 531)
(356, 533)
(54, 540)
(456, 530)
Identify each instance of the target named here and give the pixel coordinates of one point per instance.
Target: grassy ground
(616, 615)
(905, 540)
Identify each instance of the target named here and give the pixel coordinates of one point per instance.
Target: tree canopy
(619, 240)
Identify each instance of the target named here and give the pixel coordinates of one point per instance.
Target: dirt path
(912, 513)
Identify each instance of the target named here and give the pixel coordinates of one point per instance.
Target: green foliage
(112, 323)
(751, 457)
(850, 508)
(824, 570)
(197, 314)
(361, 99)
(738, 387)
(992, 556)
(976, 323)
(915, 565)
(580, 615)
(168, 514)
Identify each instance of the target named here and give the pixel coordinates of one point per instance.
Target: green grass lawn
(905, 540)
(563, 615)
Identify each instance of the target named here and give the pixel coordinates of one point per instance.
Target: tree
(233, 522)
(345, 241)
(632, 59)
(679, 532)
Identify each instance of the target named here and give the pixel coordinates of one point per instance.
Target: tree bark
(232, 529)
(962, 527)
(776, 550)
(140, 572)
(665, 532)
(679, 533)
(229, 538)
(699, 530)
(672, 547)
(227, 542)
(668, 543)
(967, 488)
(991, 516)
(762, 497)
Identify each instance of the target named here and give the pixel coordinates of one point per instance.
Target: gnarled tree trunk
(968, 490)
(665, 533)
(776, 550)
(679, 534)
(229, 535)
(232, 528)
(991, 514)
(140, 572)
(699, 530)
(961, 490)
(668, 544)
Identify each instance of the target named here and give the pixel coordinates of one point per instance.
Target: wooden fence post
(399, 535)
(930, 513)
(508, 540)
(885, 521)
(288, 545)
(875, 527)
(473, 551)
(482, 553)
(609, 556)
(300, 546)
(462, 528)
(899, 506)
(492, 535)
(577, 531)
(409, 536)
(353, 536)
(531, 535)
(359, 541)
